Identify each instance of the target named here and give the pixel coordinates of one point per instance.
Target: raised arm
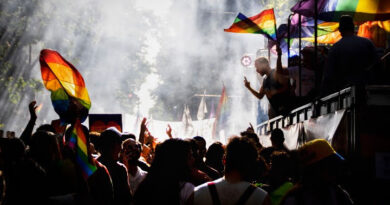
(27, 132)
(169, 131)
(259, 94)
(143, 129)
(279, 66)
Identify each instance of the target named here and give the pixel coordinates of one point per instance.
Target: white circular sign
(246, 61)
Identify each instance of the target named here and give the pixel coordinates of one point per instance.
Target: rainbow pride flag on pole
(78, 141)
(220, 109)
(68, 91)
(332, 10)
(262, 23)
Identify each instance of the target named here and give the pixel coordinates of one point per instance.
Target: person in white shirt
(235, 186)
(131, 152)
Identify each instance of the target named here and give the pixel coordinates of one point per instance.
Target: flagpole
(269, 51)
(300, 54)
(316, 43)
(288, 38)
(276, 31)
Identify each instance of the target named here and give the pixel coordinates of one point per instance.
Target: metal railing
(344, 99)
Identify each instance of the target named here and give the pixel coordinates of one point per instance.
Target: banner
(100, 122)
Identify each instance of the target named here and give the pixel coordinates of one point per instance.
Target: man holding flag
(71, 101)
(277, 89)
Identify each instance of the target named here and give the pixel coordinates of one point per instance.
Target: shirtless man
(276, 87)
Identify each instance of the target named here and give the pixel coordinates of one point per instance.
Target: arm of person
(27, 132)
(259, 94)
(280, 71)
(329, 72)
(169, 131)
(141, 137)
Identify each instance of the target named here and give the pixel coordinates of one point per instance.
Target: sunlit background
(138, 57)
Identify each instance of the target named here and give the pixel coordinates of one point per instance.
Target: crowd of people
(41, 166)
(352, 61)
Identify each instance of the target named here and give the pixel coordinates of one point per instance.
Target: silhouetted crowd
(352, 61)
(41, 168)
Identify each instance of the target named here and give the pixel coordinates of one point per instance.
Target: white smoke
(167, 48)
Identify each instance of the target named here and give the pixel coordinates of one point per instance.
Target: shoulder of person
(121, 166)
(201, 187)
(187, 186)
(205, 185)
(141, 171)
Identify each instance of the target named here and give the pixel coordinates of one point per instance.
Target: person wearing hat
(349, 59)
(321, 165)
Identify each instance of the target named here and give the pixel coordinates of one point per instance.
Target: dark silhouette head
(169, 168)
(11, 150)
(94, 138)
(110, 144)
(277, 138)
(201, 142)
(46, 127)
(252, 136)
(44, 148)
(214, 156)
(241, 156)
(262, 66)
(266, 154)
(127, 135)
(195, 152)
(346, 26)
(173, 156)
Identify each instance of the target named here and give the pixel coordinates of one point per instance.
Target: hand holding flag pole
(70, 100)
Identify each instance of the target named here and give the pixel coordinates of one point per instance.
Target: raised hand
(278, 49)
(247, 83)
(143, 124)
(143, 129)
(250, 128)
(169, 131)
(32, 107)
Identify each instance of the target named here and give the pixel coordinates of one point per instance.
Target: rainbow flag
(307, 23)
(330, 38)
(78, 141)
(332, 10)
(385, 25)
(66, 85)
(374, 31)
(220, 110)
(262, 23)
